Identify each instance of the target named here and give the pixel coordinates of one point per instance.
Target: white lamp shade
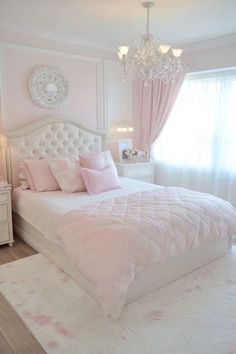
(123, 51)
(177, 52)
(164, 48)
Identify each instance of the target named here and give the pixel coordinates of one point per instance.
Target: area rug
(196, 314)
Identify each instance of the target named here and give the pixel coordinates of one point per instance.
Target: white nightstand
(141, 171)
(6, 232)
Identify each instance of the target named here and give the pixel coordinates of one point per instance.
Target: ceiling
(109, 23)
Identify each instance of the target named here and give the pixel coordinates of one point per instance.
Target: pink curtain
(152, 106)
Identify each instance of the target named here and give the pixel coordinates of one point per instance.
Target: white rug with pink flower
(194, 315)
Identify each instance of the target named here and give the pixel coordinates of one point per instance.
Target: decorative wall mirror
(48, 87)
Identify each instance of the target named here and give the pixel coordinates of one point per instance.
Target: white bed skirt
(148, 281)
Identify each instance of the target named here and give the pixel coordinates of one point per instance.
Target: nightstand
(6, 232)
(141, 171)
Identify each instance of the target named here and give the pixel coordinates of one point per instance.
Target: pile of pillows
(94, 172)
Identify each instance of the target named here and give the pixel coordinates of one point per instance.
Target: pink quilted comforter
(112, 241)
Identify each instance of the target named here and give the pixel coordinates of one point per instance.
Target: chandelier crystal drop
(151, 60)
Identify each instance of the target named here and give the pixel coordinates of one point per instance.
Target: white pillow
(66, 170)
(96, 161)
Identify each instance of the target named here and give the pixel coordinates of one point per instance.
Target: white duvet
(44, 210)
(113, 237)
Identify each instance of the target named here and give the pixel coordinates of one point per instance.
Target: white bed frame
(51, 137)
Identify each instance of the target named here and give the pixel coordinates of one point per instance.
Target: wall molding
(105, 78)
(211, 43)
(54, 52)
(101, 119)
(15, 31)
(3, 112)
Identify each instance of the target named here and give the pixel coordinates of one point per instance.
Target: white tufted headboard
(47, 138)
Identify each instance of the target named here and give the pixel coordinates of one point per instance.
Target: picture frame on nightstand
(124, 144)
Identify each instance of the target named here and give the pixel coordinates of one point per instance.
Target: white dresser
(141, 171)
(6, 232)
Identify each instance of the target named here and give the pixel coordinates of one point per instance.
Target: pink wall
(82, 67)
(20, 110)
(97, 98)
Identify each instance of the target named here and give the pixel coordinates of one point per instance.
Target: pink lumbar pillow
(96, 161)
(98, 181)
(41, 174)
(66, 170)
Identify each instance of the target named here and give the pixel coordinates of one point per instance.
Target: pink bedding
(112, 241)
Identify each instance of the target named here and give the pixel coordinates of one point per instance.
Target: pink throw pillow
(42, 176)
(26, 179)
(66, 170)
(98, 181)
(96, 161)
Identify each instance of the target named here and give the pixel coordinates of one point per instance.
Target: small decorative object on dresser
(6, 232)
(141, 171)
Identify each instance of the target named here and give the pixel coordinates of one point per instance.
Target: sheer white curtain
(197, 148)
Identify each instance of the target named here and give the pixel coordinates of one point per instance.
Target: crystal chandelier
(151, 60)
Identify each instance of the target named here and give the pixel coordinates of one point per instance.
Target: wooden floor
(14, 335)
(20, 249)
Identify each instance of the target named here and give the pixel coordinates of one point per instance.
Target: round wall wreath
(48, 87)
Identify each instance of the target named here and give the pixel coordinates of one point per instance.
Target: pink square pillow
(41, 174)
(98, 181)
(96, 161)
(66, 170)
(26, 179)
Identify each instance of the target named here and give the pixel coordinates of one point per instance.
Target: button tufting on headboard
(49, 138)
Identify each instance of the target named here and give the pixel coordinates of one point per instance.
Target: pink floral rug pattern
(196, 314)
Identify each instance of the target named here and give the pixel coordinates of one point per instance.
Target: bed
(33, 213)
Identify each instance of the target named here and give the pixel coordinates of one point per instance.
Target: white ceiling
(109, 23)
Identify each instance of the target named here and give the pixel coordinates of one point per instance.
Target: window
(201, 130)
